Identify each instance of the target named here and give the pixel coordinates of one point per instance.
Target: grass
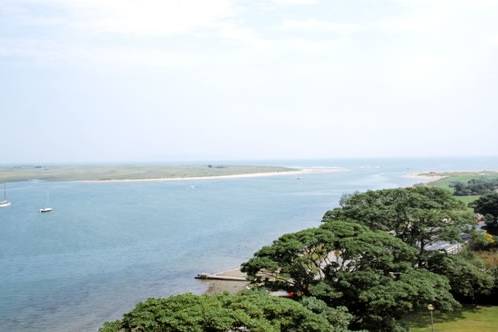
(489, 257)
(475, 319)
(125, 172)
(452, 177)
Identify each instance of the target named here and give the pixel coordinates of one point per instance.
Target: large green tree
(470, 280)
(252, 311)
(487, 205)
(418, 215)
(370, 272)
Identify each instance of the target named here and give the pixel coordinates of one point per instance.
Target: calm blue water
(110, 245)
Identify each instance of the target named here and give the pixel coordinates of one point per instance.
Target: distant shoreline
(432, 176)
(425, 177)
(137, 172)
(291, 171)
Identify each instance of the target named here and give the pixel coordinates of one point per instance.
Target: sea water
(110, 245)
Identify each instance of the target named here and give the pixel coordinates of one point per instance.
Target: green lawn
(480, 319)
(467, 199)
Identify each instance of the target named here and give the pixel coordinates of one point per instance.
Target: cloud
(130, 17)
(314, 25)
(429, 34)
(295, 2)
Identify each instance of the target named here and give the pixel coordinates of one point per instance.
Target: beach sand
(221, 286)
(298, 172)
(425, 177)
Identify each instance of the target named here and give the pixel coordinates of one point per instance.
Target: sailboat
(46, 209)
(5, 202)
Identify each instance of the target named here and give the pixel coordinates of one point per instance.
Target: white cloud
(130, 17)
(295, 2)
(314, 25)
(391, 70)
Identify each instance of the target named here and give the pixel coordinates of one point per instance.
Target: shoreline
(424, 176)
(220, 286)
(230, 286)
(302, 171)
(428, 177)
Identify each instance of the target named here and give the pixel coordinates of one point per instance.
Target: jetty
(207, 276)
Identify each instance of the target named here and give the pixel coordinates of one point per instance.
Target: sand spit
(297, 172)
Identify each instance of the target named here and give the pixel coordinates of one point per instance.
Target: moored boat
(47, 209)
(5, 202)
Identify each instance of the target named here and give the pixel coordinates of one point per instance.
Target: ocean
(110, 245)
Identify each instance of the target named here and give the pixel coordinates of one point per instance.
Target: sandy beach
(425, 177)
(220, 286)
(297, 172)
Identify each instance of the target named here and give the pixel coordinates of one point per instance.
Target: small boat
(5, 203)
(46, 209)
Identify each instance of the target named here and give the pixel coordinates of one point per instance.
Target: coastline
(230, 286)
(425, 177)
(221, 286)
(432, 176)
(302, 171)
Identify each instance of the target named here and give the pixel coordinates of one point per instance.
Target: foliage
(487, 205)
(343, 263)
(378, 301)
(251, 311)
(298, 260)
(419, 215)
(470, 280)
(481, 240)
(339, 317)
(477, 186)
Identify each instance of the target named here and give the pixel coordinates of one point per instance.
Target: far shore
(148, 172)
(303, 171)
(425, 177)
(432, 176)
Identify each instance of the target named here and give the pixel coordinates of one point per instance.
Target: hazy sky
(144, 80)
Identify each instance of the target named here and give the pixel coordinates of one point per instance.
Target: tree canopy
(477, 186)
(418, 215)
(487, 205)
(251, 311)
(370, 272)
(470, 280)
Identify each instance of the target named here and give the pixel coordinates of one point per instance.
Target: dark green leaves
(419, 215)
(252, 311)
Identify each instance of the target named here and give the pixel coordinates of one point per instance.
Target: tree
(418, 215)
(478, 186)
(372, 273)
(293, 261)
(339, 316)
(379, 301)
(470, 280)
(298, 260)
(487, 205)
(251, 311)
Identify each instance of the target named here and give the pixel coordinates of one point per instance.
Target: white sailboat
(46, 209)
(5, 202)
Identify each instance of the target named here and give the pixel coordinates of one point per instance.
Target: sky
(174, 80)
